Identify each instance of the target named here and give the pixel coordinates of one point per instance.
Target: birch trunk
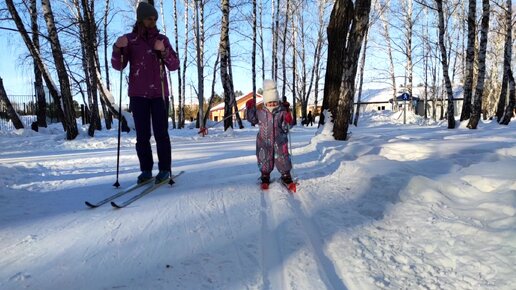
(509, 110)
(479, 90)
(180, 105)
(470, 59)
(345, 42)
(444, 63)
(361, 81)
(11, 112)
(224, 63)
(387, 37)
(185, 60)
(68, 109)
(38, 79)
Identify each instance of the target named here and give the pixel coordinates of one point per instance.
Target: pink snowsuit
(272, 139)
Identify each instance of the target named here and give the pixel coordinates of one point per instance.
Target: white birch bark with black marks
(57, 53)
(507, 57)
(180, 105)
(284, 53)
(444, 63)
(108, 117)
(11, 112)
(470, 59)
(275, 38)
(262, 49)
(185, 60)
(347, 22)
(199, 46)
(294, 69)
(224, 63)
(38, 79)
(89, 43)
(361, 80)
(387, 37)
(479, 90)
(407, 7)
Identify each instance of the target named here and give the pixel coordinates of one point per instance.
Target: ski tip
(264, 186)
(113, 204)
(90, 205)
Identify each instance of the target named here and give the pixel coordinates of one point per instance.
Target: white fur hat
(270, 94)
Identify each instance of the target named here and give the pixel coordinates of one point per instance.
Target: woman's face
(149, 22)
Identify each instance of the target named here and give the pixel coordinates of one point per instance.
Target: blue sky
(17, 74)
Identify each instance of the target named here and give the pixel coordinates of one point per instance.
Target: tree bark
(11, 112)
(386, 35)
(108, 117)
(479, 90)
(180, 105)
(361, 80)
(444, 63)
(38, 79)
(470, 59)
(229, 94)
(346, 33)
(185, 61)
(68, 109)
(507, 56)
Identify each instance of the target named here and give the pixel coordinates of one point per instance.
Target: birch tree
(199, 35)
(38, 79)
(168, 74)
(444, 62)
(107, 115)
(346, 31)
(11, 113)
(229, 94)
(508, 79)
(479, 90)
(470, 58)
(386, 35)
(185, 61)
(180, 117)
(253, 53)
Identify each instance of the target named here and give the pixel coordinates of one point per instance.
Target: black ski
(145, 192)
(116, 195)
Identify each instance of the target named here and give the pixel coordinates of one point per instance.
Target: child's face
(272, 104)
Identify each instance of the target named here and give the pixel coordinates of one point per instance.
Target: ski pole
(117, 184)
(162, 79)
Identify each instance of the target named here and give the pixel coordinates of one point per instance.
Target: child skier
(272, 139)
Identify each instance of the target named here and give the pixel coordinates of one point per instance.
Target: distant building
(217, 112)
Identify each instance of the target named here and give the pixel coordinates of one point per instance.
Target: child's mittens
(288, 118)
(250, 104)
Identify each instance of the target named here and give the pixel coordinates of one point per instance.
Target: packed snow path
(387, 210)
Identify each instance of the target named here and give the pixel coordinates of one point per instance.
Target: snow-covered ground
(397, 206)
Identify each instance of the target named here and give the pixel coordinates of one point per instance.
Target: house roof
(220, 106)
